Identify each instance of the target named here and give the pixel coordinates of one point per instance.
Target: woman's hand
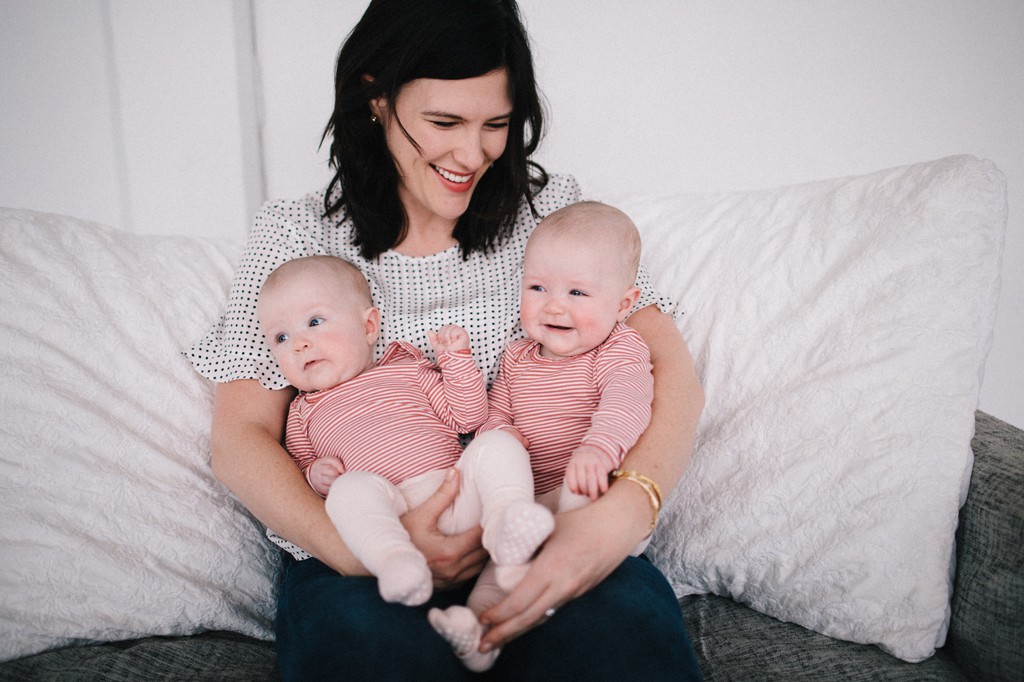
(452, 559)
(591, 542)
(586, 545)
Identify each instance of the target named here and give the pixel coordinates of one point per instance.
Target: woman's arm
(247, 456)
(591, 542)
(248, 423)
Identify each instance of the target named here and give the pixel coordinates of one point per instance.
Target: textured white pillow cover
(840, 329)
(111, 523)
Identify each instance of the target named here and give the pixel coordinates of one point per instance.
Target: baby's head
(579, 277)
(319, 320)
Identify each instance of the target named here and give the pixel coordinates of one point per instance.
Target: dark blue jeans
(331, 627)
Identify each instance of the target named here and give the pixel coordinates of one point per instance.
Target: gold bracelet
(649, 486)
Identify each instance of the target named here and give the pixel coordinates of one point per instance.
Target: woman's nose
(470, 150)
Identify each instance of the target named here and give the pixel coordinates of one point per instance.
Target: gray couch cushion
(734, 642)
(987, 634)
(221, 656)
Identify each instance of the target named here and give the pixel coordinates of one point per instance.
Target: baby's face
(573, 294)
(319, 336)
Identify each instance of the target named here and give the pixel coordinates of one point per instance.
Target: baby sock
(508, 577)
(517, 531)
(404, 577)
(460, 628)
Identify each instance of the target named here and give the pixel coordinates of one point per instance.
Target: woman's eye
(500, 125)
(444, 124)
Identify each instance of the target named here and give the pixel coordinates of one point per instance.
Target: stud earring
(373, 119)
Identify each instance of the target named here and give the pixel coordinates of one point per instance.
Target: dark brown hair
(398, 41)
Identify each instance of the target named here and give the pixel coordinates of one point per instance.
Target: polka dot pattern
(414, 294)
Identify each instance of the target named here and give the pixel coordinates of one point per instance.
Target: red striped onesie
(601, 398)
(400, 418)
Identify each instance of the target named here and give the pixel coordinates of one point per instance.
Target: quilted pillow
(840, 330)
(112, 525)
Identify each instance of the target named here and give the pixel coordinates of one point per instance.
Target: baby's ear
(371, 320)
(629, 300)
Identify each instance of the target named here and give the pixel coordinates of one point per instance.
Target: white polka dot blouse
(414, 294)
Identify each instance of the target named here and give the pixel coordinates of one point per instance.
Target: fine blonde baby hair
(596, 223)
(348, 277)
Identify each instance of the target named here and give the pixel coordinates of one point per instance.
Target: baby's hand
(519, 436)
(323, 472)
(587, 472)
(449, 338)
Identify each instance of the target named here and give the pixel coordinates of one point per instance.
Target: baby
(577, 393)
(376, 438)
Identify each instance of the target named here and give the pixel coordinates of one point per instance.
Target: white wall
(156, 117)
(59, 146)
(128, 113)
(181, 115)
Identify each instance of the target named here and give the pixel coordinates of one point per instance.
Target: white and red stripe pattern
(601, 397)
(399, 419)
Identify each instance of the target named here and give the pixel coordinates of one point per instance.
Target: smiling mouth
(557, 328)
(451, 177)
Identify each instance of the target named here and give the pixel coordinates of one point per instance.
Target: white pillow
(111, 522)
(840, 329)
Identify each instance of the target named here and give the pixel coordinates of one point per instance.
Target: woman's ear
(629, 300)
(378, 105)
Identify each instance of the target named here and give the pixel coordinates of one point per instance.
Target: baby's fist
(449, 338)
(323, 472)
(587, 472)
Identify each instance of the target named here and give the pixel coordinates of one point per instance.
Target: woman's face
(461, 127)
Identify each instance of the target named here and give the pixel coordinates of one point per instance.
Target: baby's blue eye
(577, 292)
(536, 287)
(316, 322)
(280, 338)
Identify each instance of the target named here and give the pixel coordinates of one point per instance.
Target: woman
(436, 116)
